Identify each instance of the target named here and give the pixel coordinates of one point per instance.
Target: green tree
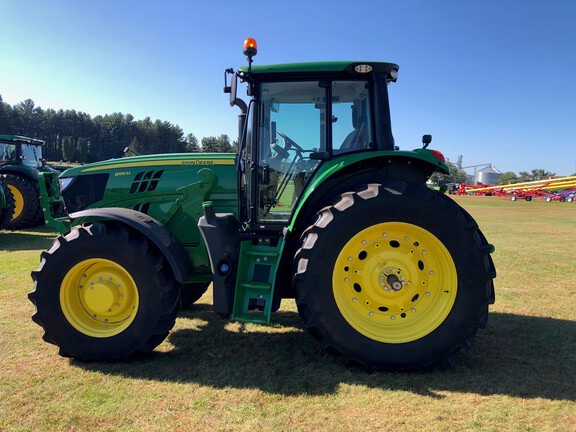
(223, 144)
(507, 178)
(209, 145)
(535, 174)
(82, 150)
(192, 143)
(68, 148)
(455, 176)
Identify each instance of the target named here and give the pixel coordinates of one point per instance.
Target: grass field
(214, 375)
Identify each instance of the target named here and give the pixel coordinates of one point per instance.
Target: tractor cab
(298, 117)
(21, 151)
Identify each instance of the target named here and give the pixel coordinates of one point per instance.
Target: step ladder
(255, 281)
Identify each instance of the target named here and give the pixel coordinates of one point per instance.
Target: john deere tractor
(20, 164)
(319, 205)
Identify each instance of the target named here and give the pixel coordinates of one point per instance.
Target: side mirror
(426, 140)
(233, 89)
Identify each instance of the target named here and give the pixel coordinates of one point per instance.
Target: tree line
(75, 136)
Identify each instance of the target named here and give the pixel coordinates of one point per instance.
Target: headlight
(65, 183)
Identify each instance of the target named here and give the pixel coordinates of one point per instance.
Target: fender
(413, 166)
(157, 233)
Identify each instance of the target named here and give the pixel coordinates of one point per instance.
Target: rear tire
(395, 276)
(27, 211)
(104, 292)
(191, 293)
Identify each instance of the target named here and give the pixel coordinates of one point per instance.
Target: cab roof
(21, 139)
(350, 67)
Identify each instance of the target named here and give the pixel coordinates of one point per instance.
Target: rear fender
(409, 166)
(157, 233)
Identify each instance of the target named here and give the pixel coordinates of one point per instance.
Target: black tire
(191, 293)
(367, 290)
(28, 212)
(103, 292)
(7, 211)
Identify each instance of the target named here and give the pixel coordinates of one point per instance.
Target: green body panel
(170, 188)
(329, 168)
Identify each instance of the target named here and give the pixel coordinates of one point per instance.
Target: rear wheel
(395, 276)
(191, 293)
(104, 292)
(27, 211)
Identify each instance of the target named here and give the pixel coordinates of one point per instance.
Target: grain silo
(488, 175)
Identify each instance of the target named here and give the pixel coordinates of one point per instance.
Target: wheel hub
(392, 279)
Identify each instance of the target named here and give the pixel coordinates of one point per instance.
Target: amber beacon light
(250, 47)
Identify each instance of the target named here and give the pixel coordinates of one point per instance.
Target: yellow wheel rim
(99, 298)
(394, 282)
(18, 201)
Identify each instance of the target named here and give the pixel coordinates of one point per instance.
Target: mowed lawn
(213, 375)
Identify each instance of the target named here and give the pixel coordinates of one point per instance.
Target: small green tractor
(20, 164)
(319, 206)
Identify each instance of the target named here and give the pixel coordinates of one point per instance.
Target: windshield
(31, 155)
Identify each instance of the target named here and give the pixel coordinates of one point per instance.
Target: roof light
(363, 68)
(250, 47)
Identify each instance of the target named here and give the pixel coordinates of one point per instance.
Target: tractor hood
(123, 166)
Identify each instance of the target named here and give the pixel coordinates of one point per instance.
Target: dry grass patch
(213, 375)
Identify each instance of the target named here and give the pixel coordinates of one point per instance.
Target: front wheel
(104, 292)
(7, 210)
(394, 276)
(27, 211)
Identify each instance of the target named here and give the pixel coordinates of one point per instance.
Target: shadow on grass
(27, 239)
(519, 356)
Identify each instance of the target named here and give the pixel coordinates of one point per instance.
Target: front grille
(146, 181)
(84, 191)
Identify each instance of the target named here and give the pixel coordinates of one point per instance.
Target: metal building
(488, 175)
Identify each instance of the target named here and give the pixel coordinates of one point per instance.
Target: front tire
(103, 292)
(395, 276)
(6, 213)
(27, 211)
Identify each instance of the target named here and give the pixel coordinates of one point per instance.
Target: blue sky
(493, 81)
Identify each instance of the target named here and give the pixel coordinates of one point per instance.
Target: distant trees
(76, 136)
(455, 176)
(535, 174)
(506, 178)
(216, 145)
(68, 149)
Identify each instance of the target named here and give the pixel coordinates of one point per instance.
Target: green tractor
(319, 205)
(20, 164)
(6, 204)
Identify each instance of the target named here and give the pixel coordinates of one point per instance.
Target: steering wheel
(290, 142)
